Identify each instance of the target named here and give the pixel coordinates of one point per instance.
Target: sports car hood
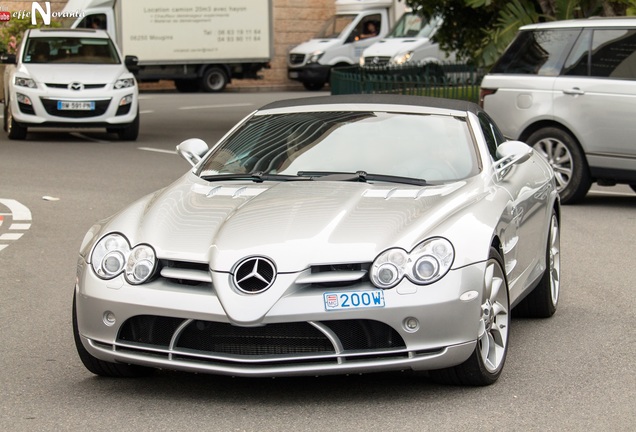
(295, 224)
(393, 46)
(68, 73)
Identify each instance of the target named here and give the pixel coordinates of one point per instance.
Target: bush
(11, 33)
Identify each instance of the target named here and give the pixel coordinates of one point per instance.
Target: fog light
(23, 99)
(109, 318)
(126, 100)
(411, 324)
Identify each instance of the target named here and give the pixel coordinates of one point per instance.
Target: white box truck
(200, 44)
(356, 25)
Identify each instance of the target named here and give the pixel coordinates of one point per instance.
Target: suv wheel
(15, 130)
(568, 162)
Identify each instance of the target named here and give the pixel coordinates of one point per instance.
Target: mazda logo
(76, 86)
(254, 275)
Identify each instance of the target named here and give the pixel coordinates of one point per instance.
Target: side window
(368, 27)
(606, 53)
(96, 21)
(492, 134)
(539, 52)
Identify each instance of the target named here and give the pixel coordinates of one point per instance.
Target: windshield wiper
(360, 176)
(256, 177)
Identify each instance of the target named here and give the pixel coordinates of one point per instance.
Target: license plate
(293, 75)
(353, 300)
(75, 106)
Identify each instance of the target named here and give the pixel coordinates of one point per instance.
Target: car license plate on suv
(353, 300)
(75, 106)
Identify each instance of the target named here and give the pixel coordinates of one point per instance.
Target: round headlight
(140, 264)
(433, 258)
(109, 256)
(388, 268)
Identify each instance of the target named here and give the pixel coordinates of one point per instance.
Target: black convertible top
(389, 99)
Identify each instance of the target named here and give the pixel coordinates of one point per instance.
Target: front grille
(376, 61)
(65, 86)
(296, 59)
(205, 340)
(50, 105)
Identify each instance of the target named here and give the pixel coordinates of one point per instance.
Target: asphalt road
(574, 371)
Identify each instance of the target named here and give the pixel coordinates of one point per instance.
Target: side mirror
(192, 150)
(511, 153)
(132, 63)
(8, 59)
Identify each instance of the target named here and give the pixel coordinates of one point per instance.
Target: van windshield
(412, 25)
(70, 50)
(334, 26)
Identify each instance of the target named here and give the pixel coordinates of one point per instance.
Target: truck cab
(356, 25)
(410, 42)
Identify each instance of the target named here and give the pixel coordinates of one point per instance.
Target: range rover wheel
(567, 160)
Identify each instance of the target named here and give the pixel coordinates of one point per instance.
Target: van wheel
(567, 160)
(15, 130)
(214, 80)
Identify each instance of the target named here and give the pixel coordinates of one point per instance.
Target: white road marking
(17, 226)
(82, 136)
(18, 212)
(146, 112)
(598, 192)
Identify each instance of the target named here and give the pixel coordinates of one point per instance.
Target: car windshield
(428, 147)
(412, 25)
(70, 50)
(334, 26)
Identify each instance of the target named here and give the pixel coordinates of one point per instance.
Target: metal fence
(447, 80)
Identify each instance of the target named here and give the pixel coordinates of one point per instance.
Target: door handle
(575, 91)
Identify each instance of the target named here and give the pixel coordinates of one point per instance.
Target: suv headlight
(428, 262)
(124, 83)
(315, 56)
(113, 256)
(25, 82)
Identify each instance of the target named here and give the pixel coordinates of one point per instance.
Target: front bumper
(311, 74)
(167, 325)
(40, 107)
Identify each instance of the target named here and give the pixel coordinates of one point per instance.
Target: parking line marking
(17, 226)
(215, 106)
(11, 236)
(156, 150)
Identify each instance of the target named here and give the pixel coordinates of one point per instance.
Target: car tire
(313, 86)
(485, 364)
(542, 301)
(130, 132)
(214, 80)
(567, 160)
(104, 368)
(15, 130)
(186, 85)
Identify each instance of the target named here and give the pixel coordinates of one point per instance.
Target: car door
(596, 97)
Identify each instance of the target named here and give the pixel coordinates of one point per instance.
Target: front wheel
(130, 132)
(485, 364)
(15, 130)
(100, 367)
(567, 160)
(214, 80)
(542, 301)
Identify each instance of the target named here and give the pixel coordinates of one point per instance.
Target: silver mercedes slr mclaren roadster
(328, 235)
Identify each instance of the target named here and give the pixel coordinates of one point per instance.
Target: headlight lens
(25, 82)
(425, 264)
(112, 255)
(124, 83)
(315, 56)
(402, 58)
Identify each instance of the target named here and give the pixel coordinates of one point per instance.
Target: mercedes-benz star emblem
(76, 86)
(254, 275)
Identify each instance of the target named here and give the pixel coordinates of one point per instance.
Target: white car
(70, 78)
(568, 88)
